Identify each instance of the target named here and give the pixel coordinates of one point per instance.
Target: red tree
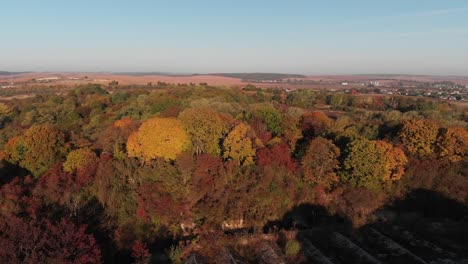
(279, 155)
(46, 242)
(140, 253)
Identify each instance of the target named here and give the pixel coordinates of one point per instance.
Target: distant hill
(150, 73)
(259, 76)
(9, 73)
(243, 76)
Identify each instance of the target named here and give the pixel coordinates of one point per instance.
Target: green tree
(372, 163)
(205, 128)
(79, 159)
(270, 117)
(363, 164)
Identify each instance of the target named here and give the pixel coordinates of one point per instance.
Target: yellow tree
(291, 131)
(419, 136)
(5, 111)
(205, 128)
(238, 146)
(158, 138)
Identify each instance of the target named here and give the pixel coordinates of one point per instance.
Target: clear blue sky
(310, 37)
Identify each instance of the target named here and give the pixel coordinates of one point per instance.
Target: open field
(124, 79)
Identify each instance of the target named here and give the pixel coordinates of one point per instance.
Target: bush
(175, 254)
(292, 248)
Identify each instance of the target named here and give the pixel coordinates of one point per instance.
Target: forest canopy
(131, 170)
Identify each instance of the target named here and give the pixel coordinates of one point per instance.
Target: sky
(203, 36)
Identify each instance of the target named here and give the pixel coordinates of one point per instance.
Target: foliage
(5, 112)
(175, 254)
(251, 163)
(320, 163)
(371, 163)
(238, 146)
(140, 253)
(158, 138)
(315, 123)
(291, 130)
(270, 117)
(115, 188)
(62, 242)
(419, 136)
(394, 161)
(292, 248)
(278, 156)
(452, 144)
(361, 164)
(37, 149)
(205, 128)
(79, 159)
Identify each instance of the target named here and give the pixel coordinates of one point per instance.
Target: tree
(38, 149)
(46, 242)
(205, 169)
(364, 164)
(394, 161)
(315, 123)
(114, 138)
(158, 138)
(453, 143)
(79, 159)
(278, 156)
(271, 118)
(5, 112)
(115, 188)
(205, 129)
(238, 146)
(14, 149)
(140, 253)
(320, 163)
(419, 136)
(291, 130)
(14, 196)
(372, 163)
(157, 206)
(56, 186)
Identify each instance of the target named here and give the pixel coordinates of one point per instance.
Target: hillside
(259, 76)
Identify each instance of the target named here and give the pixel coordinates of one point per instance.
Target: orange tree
(453, 144)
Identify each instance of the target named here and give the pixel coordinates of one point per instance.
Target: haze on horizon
(305, 37)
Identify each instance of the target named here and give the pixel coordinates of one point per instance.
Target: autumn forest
(164, 173)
